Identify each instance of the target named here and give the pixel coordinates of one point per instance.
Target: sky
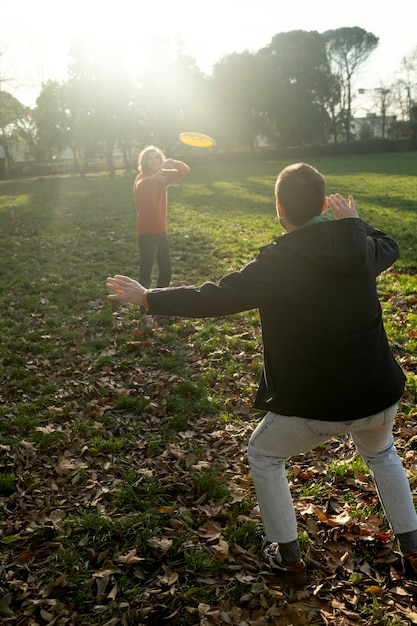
(35, 35)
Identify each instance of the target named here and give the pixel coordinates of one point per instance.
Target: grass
(7, 483)
(128, 441)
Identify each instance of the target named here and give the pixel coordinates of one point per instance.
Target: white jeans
(279, 437)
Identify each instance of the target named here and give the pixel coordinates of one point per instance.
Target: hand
(128, 290)
(169, 164)
(340, 208)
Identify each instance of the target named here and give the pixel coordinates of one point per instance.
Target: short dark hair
(301, 190)
(143, 165)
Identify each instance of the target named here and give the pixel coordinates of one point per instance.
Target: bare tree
(348, 48)
(406, 85)
(382, 98)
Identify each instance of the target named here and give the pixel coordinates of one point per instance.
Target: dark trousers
(154, 248)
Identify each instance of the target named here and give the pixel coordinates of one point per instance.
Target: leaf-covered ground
(127, 513)
(124, 486)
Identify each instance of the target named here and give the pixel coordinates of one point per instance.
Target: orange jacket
(151, 199)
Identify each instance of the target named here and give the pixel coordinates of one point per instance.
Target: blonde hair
(143, 159)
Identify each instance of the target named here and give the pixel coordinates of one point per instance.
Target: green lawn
(123, 476)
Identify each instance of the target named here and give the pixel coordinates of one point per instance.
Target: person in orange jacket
(150, 191)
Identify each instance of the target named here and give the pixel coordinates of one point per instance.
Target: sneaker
(410, 565)
(148, 320)
(294, 574)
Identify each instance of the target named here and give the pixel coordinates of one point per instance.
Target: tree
(52, 120)
(296, 86)
(99, 93)
(172, 97)
(383, 99)
(236, 99)
(348, 48)
(333, 106)
(406, 86)
(12, 118)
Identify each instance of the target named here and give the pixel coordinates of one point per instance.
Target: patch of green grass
(45, 440)
(243, 507)
(223, 419)
(208, 481)
(377, 613)
(110, 446)
(26, 423)
(141, 493)
(362, 511)
(156, 446)
(103, 362)
(179, 421)
(199, 560)
(98, 527)
(84, 426)
(303, 538)
(245, 534)
(348, 468)
(7, 483)
(187, 398)
(174, 362)
(68, 561)
(134, 403)
(317, 489)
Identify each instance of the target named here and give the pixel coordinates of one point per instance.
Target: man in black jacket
(327, 367)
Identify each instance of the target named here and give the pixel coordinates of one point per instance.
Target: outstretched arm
(174, 170)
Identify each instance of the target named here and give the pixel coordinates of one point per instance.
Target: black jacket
(326, 354)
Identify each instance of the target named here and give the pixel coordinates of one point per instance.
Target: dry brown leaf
(169, 579)
(130, 558)
(68, 466)
(210, 531)
(161, 545)
(221, 550)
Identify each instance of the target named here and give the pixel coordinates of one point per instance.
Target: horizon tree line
(297, 91)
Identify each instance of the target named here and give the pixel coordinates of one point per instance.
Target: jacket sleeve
(381, 247)
(172, 175)
(235, 292)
